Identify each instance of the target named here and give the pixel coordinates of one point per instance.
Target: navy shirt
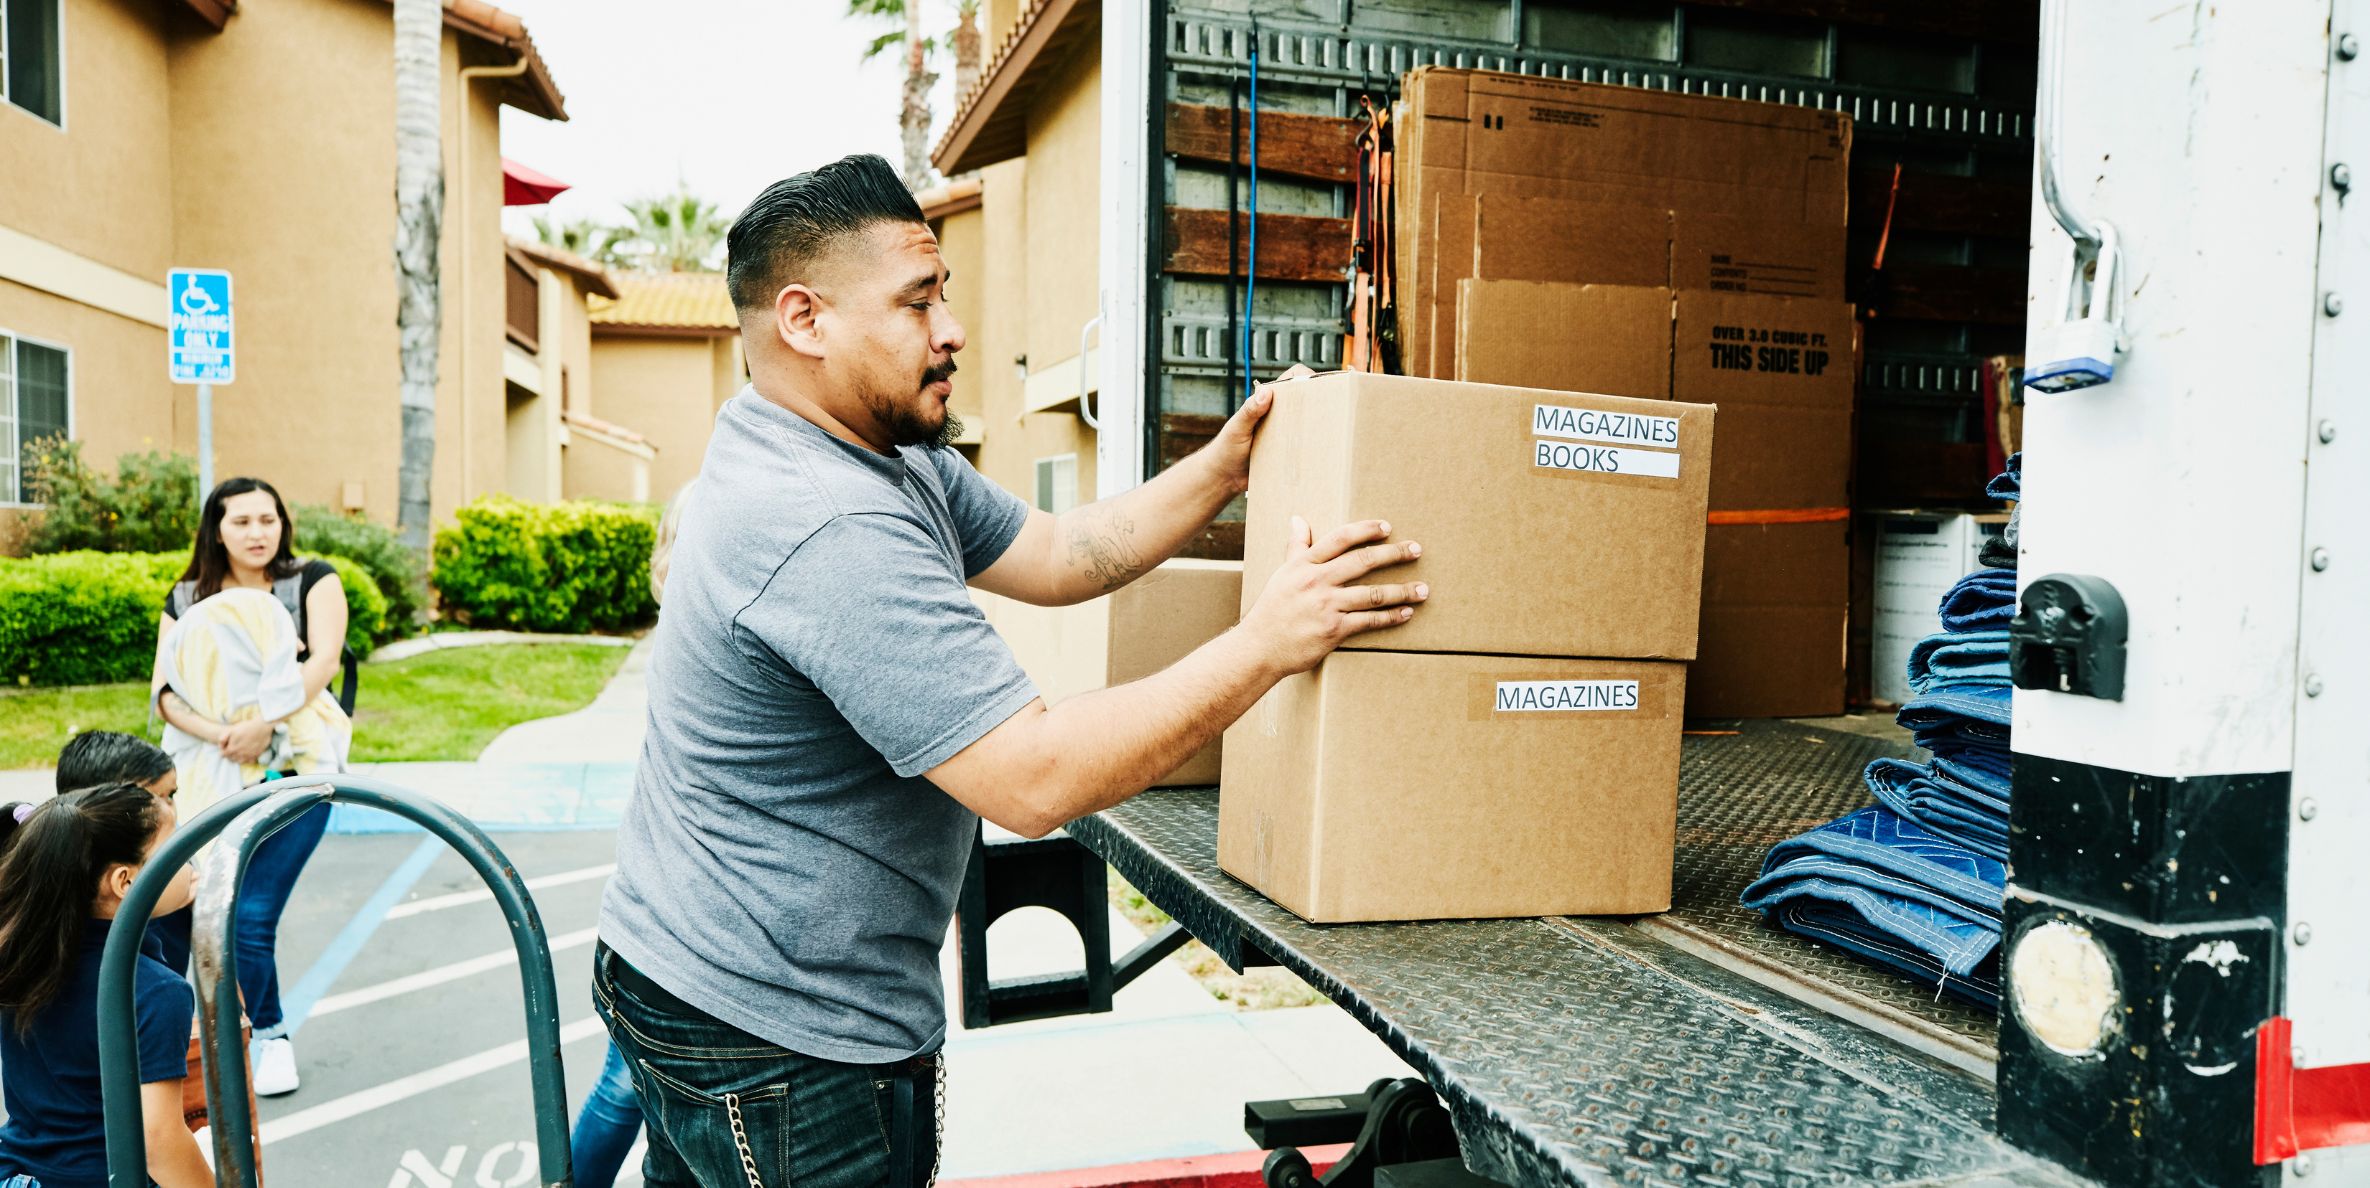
(49, 1072)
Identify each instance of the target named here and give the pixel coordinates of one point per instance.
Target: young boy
(97, 757)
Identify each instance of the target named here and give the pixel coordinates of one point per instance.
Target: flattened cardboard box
(1552, 523)
(1397, 786)
(1635, 146)
(1613, 339)
(1754, 177)
(1139, 629)
(1780, 369)
(1507, 238)
(1775, 614)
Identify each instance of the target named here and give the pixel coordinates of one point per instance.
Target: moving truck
(2180, 947)
(2183, 959)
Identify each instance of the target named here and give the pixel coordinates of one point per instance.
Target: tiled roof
(953, 197)
(695, 302)
(597, 425)
(594, 279)
(991, 123)
(532, 92)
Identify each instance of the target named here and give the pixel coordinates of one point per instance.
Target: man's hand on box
(1314, 601)
(1230, 451)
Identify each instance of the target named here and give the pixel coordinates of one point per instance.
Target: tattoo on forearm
(1106, 549)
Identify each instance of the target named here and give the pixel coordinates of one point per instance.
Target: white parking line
(437, 903)
(439, 975)
(381, 1096)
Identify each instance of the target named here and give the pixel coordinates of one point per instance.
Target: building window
(34, 408)
(30, 68)
(1057, 483)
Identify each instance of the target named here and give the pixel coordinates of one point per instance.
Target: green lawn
(441, 705)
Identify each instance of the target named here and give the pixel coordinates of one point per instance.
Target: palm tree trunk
(419, 224)
(966, 50)
(914, 115)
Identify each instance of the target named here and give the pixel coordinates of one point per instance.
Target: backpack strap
(290, 591)
(183, 595)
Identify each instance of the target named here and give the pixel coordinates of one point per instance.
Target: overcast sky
(728, 95)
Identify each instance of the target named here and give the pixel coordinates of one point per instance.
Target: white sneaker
(275, 1067)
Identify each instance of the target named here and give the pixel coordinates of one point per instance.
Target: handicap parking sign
(199, 326)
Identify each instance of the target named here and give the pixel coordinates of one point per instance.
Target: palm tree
(590, 238)
(419, 222)
(966, 47)
(678, 232)
(913, 109)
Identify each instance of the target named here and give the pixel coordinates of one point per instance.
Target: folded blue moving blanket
(1877, 884)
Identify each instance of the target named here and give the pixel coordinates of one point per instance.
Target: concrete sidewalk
(1163, 1075)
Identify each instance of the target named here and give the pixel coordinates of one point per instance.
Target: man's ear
(798, 315)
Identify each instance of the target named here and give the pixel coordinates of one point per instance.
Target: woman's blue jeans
(606, 1127)
(263, 895)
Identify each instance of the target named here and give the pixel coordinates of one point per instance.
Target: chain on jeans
(740, 1138)
(938, 1072)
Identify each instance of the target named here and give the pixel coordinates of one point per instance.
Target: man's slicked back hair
(797, 220)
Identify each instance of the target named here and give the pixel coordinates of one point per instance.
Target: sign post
(199, 348)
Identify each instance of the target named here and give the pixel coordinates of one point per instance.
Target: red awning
(522, 186)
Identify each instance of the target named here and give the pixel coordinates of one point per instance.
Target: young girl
(65, 867)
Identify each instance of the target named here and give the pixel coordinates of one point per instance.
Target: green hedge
(396, 570)
(89, 618)
(366, 608)
(563, 567)
(82, 618)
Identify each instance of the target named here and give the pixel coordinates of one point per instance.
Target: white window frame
(8, 103)
(1037, 475)
(8, 393)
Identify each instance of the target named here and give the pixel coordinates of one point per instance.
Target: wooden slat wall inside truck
(1945, 91)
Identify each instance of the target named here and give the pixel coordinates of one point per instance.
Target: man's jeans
(725, 1109)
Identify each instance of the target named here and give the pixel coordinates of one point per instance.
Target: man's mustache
(943, 371)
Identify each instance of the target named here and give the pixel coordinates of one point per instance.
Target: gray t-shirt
(783, 865)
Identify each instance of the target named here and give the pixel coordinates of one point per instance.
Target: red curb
(1235, 1169)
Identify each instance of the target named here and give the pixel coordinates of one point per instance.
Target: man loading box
(830, 713)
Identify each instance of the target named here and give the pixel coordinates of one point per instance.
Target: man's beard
(908, 425)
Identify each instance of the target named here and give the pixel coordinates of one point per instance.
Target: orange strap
(1783, 515)
(1885, 235)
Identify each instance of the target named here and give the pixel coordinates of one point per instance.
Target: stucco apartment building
(666, 354)
(1018, 228)
(141, 135)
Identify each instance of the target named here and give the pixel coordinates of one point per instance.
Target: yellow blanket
(232, 657)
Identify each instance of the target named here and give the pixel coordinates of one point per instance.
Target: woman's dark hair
(96, 757)
(209, 562)
(49, 874)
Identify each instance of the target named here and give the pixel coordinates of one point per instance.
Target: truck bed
(1698, 1047)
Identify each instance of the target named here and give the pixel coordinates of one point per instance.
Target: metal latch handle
(1085, 378)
